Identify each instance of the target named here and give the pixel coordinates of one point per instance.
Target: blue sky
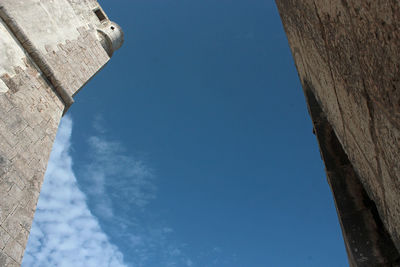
(192, 147)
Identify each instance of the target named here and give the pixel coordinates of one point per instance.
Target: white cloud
(64, 231)
(120, 186)
(114, 178)
(103, 222)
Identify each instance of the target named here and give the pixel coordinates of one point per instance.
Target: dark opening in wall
(100, 15)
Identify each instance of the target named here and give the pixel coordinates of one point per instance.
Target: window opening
(99, 14)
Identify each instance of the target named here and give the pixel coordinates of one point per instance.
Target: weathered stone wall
(367, 241)
(30, 112)
(49, 51)
(57, 39)
(84, 9)
(10, 57)
(76, 61)
(349, 52)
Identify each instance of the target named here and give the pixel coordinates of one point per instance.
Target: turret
(111, 36)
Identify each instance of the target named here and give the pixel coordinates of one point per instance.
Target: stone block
(4, 237)
(14, 250)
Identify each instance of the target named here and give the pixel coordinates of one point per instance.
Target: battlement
(51, 50)
(64, 39)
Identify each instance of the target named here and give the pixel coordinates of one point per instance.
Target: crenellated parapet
(49, 51)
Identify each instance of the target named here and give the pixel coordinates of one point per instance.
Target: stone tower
(347, 53)
(49, 49)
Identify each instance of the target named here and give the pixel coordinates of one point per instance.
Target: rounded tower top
(111, 36)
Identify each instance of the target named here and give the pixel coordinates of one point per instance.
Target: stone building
(49, 49)
(347, 53)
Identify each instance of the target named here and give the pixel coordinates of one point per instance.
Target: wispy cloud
(121, 187)
(64, 232)
(100, 219)
(113, 177)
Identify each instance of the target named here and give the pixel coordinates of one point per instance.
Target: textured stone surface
(45, 22)
(50, 49)
(367, 241)
(349, 52)
(58, 39)
(30, 114)
(11, 56)
(84, 9)
(76, 61)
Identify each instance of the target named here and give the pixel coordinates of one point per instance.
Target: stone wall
(50, 50)
(63, 45)
(75, 62)
(348, 51)
(30, 112)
